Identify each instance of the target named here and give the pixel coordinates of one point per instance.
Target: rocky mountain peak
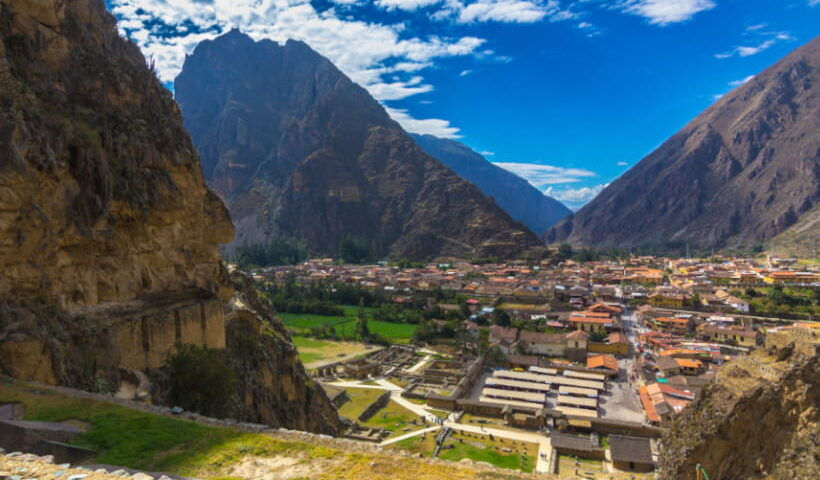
(739, 174)
(297, 149)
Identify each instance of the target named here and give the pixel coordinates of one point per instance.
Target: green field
(345, 326)
(360, 399)
(489, 454)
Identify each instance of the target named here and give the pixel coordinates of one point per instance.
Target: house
(536, 343)
(689, 366)
(664, 299)
(661, 402)
(631, 453)
(603, 362)
(672, 325)
(738, 304)
(591, 323)
(505, 338)
(731, 335)
(668, 366)
(612, 310)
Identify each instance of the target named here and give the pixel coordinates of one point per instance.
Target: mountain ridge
(737, 175)
(295, 148)
(522, 201)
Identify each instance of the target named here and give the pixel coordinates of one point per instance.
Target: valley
(329, 240)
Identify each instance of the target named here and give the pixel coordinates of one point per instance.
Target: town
(564, 367)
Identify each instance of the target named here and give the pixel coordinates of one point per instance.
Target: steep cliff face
(297, 149)
(516, 196)
(759, 420)
(743, 171)
(109, 237)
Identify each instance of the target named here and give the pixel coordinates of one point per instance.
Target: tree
(597, 337)
(354, 249)
(502, 318)
(199, 379)
(362, 329)
(565, 251)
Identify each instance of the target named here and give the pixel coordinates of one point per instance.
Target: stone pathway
(409, 435)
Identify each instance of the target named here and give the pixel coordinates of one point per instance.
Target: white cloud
(770, 39)
(575, 197)
(664, 12)
(464, 73)
(431, 126)
(366, 51)
(717, 96)
(737, 83)
(487, 153)
(541, 176)
(814, 2)
(406, 5)
(622, 164)
(505, 11)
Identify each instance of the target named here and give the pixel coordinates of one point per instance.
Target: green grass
(360, 399)
(144, 441)
(394, 418)
(346, 326)
(511, 461)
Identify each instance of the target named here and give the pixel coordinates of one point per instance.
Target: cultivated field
(314, 353)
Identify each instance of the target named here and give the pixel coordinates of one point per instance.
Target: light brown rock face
(109, 237)
(760, 419)
(739, 174)
(101, 194)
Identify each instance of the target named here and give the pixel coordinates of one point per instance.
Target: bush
(199, 379)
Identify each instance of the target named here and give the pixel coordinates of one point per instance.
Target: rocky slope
(742, 172)
(516, 196)
(758, 420)
(297, 149)
(109, 237)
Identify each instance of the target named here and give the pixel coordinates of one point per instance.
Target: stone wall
(146, 341)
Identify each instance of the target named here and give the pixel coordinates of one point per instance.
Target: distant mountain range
(297, 149)
(515, 195)
(745, 171)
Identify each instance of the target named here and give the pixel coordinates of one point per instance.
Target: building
(633, 454)
(731, 335)
(604, 362)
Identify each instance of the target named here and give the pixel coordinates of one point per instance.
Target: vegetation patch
(492, 452)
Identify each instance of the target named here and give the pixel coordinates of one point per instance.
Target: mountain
(297, 149)
(109, 236)
(739, 174)
(516, 196)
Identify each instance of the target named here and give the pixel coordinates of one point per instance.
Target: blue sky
(567, 93)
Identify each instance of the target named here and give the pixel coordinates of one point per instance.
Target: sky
(567, 93)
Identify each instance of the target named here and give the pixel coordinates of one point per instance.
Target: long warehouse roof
(548, 371)
(511, 403)
(526, 376)
(506, 382)
(578, 412)
(515, 395)
(586, 375)
(586, 392)
(577, 401)
(556, 379)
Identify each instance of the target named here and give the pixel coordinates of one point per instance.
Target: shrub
(199, 379)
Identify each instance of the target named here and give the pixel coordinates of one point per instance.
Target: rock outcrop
(739, 174)
(109, 236)
(516, 196)
(760, 419)
(297, 149)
